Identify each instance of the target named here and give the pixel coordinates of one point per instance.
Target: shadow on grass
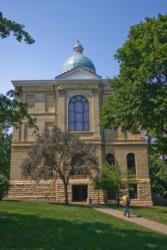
(35, 232)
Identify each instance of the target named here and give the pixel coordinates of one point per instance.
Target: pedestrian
(126, 203)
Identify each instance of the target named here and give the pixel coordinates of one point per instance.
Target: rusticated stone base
(42, 190)
(51, 190)
(54, 191)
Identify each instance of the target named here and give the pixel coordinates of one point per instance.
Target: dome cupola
(78, 60)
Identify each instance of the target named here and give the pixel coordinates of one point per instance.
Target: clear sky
(101, 26)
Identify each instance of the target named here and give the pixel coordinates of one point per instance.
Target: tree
(7, 27)
(59, 154)
(109, 179)
(5, 149)
(158, 172)
(139, 93)
(12, 111)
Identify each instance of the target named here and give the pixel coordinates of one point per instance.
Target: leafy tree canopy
(12, 111)
(7, 27)
(139, 93)
(158, 171)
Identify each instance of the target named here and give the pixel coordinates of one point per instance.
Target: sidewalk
(161, 228)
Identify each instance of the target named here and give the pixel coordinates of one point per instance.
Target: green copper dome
(79, 60)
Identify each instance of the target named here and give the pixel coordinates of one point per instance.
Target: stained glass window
(78, 114)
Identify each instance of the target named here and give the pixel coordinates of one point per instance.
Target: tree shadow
(38, 232)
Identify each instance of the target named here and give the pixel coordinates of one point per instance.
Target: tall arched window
(78, 114)
(110, 159)
(131, 163)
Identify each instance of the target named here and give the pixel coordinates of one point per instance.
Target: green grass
(156, 213)
(32, 225)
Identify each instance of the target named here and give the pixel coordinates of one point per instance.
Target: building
(72, 101)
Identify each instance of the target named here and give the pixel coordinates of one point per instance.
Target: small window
(131, 163)
(110, 159)
(133, 194)
(30, 100)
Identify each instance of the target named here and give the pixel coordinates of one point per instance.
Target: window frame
(137, 192)
(113, 159)
(80, 117)
(131, 170)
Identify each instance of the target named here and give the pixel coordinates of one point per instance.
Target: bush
(4, 186)
(109, 179)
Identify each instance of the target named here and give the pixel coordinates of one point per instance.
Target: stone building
(71, 102)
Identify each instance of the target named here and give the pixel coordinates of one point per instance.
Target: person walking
(126, 202)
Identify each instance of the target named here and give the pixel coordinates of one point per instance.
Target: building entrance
(79, 193)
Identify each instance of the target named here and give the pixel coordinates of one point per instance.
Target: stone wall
(51, 190)
(54, 191)
(48, 102)
(42, 190)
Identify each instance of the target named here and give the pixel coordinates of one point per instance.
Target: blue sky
(101, 26)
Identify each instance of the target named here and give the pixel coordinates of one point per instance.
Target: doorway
(79, 193)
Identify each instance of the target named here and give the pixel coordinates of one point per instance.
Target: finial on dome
(78, 48)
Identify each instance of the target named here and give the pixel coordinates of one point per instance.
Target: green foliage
(7, 27)
(158, 172)
(4, 186)
(108, 179)
(139, 93)
(5, 150)
(13, 111)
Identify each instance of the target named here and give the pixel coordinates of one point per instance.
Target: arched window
(78, 114)
(110, 159)
(131, 163)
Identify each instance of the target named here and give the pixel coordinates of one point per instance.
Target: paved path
(161, 228)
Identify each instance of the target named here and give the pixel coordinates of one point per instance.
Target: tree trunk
(66, 193)
(118, 199)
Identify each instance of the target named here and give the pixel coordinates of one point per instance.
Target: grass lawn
(32, 225)
(156, 213)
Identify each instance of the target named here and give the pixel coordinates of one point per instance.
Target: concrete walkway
(161, 228)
